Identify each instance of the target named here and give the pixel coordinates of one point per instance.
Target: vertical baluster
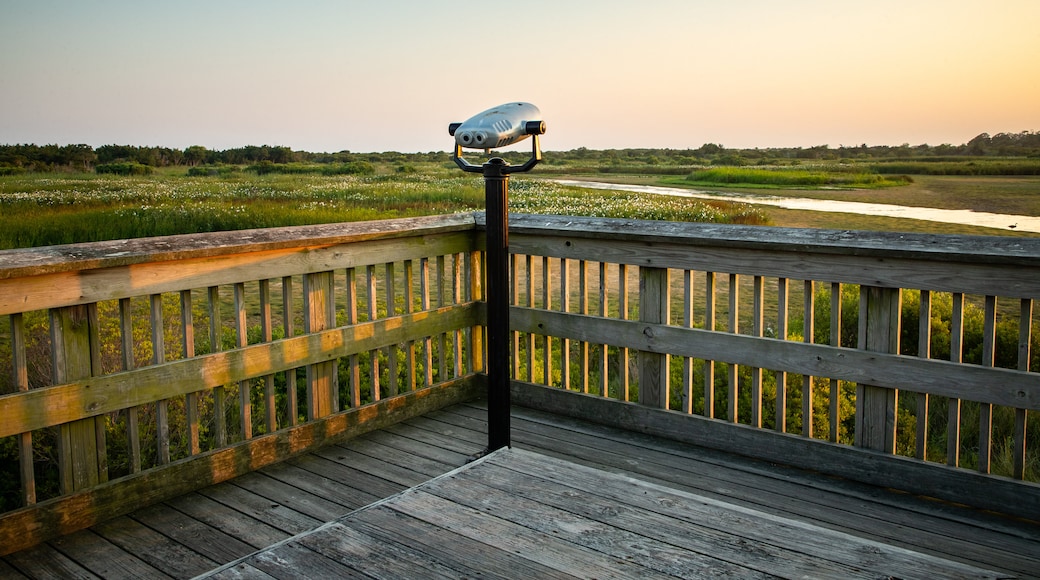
(267, 335)
(623, 352)
(162, 409)
(373, 355)
(757, 323)
(288, 323)
(734, 327)
(547, 353)
(442, 338)
(409, 308)
(530, 340)
(353, 362)
(424, 297)
(319, 313)
(133, 429)
(1025, 327)
(876, 407)
(835, 340)
(604, 378)
(583, 308)
(21, 380)
(808, 333)
(219, 420)
(75, 355)
(391, 311)
(514, 289)
(245, 407)
(565, 303)
(989, 339)
(709, 325)
(924, 350)
(458, 297)
(687, 373)
(191, 400)
(654, 309)
(475, 291)
(953, 425)
(783, 297)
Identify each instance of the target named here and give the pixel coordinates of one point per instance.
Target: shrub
(126, 168)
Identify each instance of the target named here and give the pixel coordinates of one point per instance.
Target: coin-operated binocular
(498, 127)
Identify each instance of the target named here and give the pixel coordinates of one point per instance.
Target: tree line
(38, 158)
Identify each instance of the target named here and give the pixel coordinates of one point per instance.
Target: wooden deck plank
(102, 557)
(591, 523)
(243, 572)
(198, 536)
(254, 512)
(8, 571)
(366, 487)
(257, 533)
(161, 552)
(743, 483)
(44, 562)
(389, 525)
(343, 498)
(290, 558)
(394, 456)
(506, 535)
(273, 513)
(669, 513)
(420, 448)
(319, 508)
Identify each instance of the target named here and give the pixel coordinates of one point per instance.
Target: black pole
(496, 191)
(496, 202)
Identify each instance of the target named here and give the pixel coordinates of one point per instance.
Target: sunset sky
(391, 74)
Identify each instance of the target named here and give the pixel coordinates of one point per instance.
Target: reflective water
(953, 216)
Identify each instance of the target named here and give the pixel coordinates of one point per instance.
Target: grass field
(49, 209)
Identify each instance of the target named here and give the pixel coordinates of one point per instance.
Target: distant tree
(194, 155)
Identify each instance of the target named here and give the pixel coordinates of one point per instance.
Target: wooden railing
(144, 369)
(785, 344)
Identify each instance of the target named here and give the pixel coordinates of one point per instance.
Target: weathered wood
(732, 370)
(518, 505)
(876, 406)
(970, 264)
(27, 475)
(924, 350)
(875, 468)
(1007, 387)
(25, 527)
(45, 407)
(319, 314)
(41, 278)
(709, 325)
(1025, 326)
(654, 310)
(74, 342)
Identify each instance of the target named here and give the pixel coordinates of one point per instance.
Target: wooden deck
(781, 515)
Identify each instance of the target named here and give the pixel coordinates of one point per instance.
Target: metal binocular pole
(496, 173)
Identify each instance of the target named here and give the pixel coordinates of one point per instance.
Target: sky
(390, 75)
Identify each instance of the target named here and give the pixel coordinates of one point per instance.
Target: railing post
(75, 355)
(319, 314)
(876, 407)
(654, 308)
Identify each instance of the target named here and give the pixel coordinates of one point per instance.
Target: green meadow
(61, 208)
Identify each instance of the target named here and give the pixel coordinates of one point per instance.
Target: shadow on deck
(202, 531)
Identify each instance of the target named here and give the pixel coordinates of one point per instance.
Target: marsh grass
(41, 210)
(851, 177)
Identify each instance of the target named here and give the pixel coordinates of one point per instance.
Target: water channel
(998, 221)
